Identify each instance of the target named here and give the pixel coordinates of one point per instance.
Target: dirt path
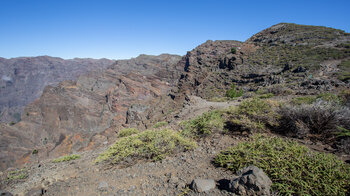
(198, 106)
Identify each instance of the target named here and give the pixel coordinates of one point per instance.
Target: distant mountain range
(23, 79)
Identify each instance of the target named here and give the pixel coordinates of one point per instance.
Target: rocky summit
(259, 117)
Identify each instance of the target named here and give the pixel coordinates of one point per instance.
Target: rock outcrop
(251, 181)
(281, 59)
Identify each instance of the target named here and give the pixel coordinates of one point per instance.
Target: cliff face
(82, 114)
(23, 79)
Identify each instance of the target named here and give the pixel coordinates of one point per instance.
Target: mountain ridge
(281, 65)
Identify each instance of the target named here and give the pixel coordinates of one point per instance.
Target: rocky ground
(171, 176)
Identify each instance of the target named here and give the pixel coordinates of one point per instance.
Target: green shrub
(253, 107)
(252, 115)
(329, 97)
(204, 124)
(160, 124)
(344, 73)
(266, 96)
(233, 50)
(304, 100)
(344, 96)
(342, 132)
(150, 145)
(311, 99)
(12, 123)
(17, 174)
(232, 92)
(127, 132)
(66, 158)
(293, 168)
(35, 151)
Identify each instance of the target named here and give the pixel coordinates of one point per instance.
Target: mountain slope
(81, 114)
(285, 58)
(23, 79)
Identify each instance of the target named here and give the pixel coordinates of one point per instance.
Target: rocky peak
(294, 34)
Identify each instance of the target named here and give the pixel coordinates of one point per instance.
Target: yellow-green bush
(66, 158)
(150, 145)
(304, 100)
(293, 168)
(233, 92)
(204, 124)
(252, 115)
(160, 124)
(18, 174)
(127, 132)
(344, 73)
(266, 96)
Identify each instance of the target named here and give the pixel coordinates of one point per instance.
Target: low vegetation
(66, 158)
(279, 89)
(149, 145)
(345, 97)
(344, 73)
(35, 151)
(319, 118)
(293, 168)
(305, 56)
(204, 124)
(252, 115)
(266, 96)
(233, 92)
(127, 132)
(160, 124)
(17, 174)
(329, 97)
(342, 132)
(233, 50)
(304, 100)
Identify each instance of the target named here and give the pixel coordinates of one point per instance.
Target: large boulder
(251, 181)
(203, 185)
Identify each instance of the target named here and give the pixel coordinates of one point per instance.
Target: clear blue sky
(124, 29)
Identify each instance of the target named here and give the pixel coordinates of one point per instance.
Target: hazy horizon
(123, 30)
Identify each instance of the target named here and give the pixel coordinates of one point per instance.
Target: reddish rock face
(82, 114)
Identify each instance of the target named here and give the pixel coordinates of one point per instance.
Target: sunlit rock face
(82, 114)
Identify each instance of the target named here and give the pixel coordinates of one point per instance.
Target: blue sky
(125, 29)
